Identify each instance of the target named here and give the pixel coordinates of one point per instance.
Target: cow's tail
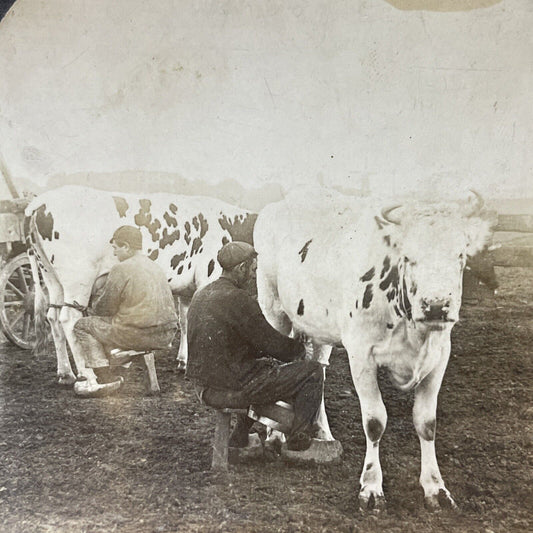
(35, 251)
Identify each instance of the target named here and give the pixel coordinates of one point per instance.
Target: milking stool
(277, 416)
(219, 460)
(120, 357)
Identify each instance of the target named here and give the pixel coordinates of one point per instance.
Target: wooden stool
(219, 460)
(120, 357)
(278, 416)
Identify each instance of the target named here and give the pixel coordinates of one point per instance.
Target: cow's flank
(180, 233)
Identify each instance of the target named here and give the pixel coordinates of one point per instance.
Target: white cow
(389, 290)
(70, 229)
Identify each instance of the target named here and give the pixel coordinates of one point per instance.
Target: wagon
(16, 281)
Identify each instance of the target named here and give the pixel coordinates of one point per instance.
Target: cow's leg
(65, 376)
(68, 317)
(183, 308)
(424, 418)
(321, 354)
(374, 415)
(55, 292)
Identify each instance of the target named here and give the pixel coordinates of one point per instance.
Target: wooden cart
(16, 281)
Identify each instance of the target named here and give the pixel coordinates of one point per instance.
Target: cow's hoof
(66, 379)
(320, 452)
(182, 365)
(442, 500)
(371, 501)
(153, 392)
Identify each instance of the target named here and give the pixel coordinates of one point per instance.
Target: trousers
(300, 383)
(96, 336)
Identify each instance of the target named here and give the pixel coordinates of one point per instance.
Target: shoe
(239, 438)
(90, 389)
(106, 374)
(319, 452)
(298, 442)
(253, 450)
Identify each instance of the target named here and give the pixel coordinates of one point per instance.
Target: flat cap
(233, 253)
(129, 234)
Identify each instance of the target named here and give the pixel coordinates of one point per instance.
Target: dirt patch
(136, 464)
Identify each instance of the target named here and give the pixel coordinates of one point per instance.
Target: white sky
(351, 92)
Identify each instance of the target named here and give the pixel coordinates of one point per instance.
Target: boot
(106, 374)
(298, 442)
(239, 436)
(93, 389)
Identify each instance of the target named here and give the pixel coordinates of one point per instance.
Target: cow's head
(432, 243)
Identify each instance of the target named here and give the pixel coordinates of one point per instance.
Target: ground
(137, 464)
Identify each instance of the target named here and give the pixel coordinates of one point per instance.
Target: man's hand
(307, 347)
(302, 337)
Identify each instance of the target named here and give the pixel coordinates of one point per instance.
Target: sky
(388, 97)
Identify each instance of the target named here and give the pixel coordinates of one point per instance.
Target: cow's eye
(461, 256)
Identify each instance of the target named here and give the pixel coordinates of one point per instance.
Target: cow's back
(181, 233)
(312, 246)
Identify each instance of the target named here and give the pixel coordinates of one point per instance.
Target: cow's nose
(436, 309)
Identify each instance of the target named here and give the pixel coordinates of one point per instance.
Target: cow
(69, 233)
(385, 284)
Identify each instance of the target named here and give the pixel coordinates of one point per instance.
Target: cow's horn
(385, 214)
(478, 204)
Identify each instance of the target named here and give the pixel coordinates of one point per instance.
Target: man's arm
(255, 328)
(108, 303)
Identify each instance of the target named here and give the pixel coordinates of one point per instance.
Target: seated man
(135, 311)
(236, 358)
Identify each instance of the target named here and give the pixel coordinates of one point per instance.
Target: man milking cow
(134, 311)
(236, 358)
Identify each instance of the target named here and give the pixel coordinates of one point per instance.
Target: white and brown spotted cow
(70, 229)
(339, 271)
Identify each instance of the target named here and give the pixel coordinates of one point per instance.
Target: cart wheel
(16, 302)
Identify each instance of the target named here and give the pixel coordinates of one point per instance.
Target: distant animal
(384, 283)
(69, 233)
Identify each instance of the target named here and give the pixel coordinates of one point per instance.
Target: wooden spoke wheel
(16, 302)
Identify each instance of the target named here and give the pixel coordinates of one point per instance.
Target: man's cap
(129, 234)
(233, 253)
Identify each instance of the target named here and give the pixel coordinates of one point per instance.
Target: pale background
(244, 99)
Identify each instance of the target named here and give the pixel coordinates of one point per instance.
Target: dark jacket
(229, 339)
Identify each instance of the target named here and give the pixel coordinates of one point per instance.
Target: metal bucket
(279, 415)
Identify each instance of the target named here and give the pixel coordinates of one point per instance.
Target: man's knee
(220, 399)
